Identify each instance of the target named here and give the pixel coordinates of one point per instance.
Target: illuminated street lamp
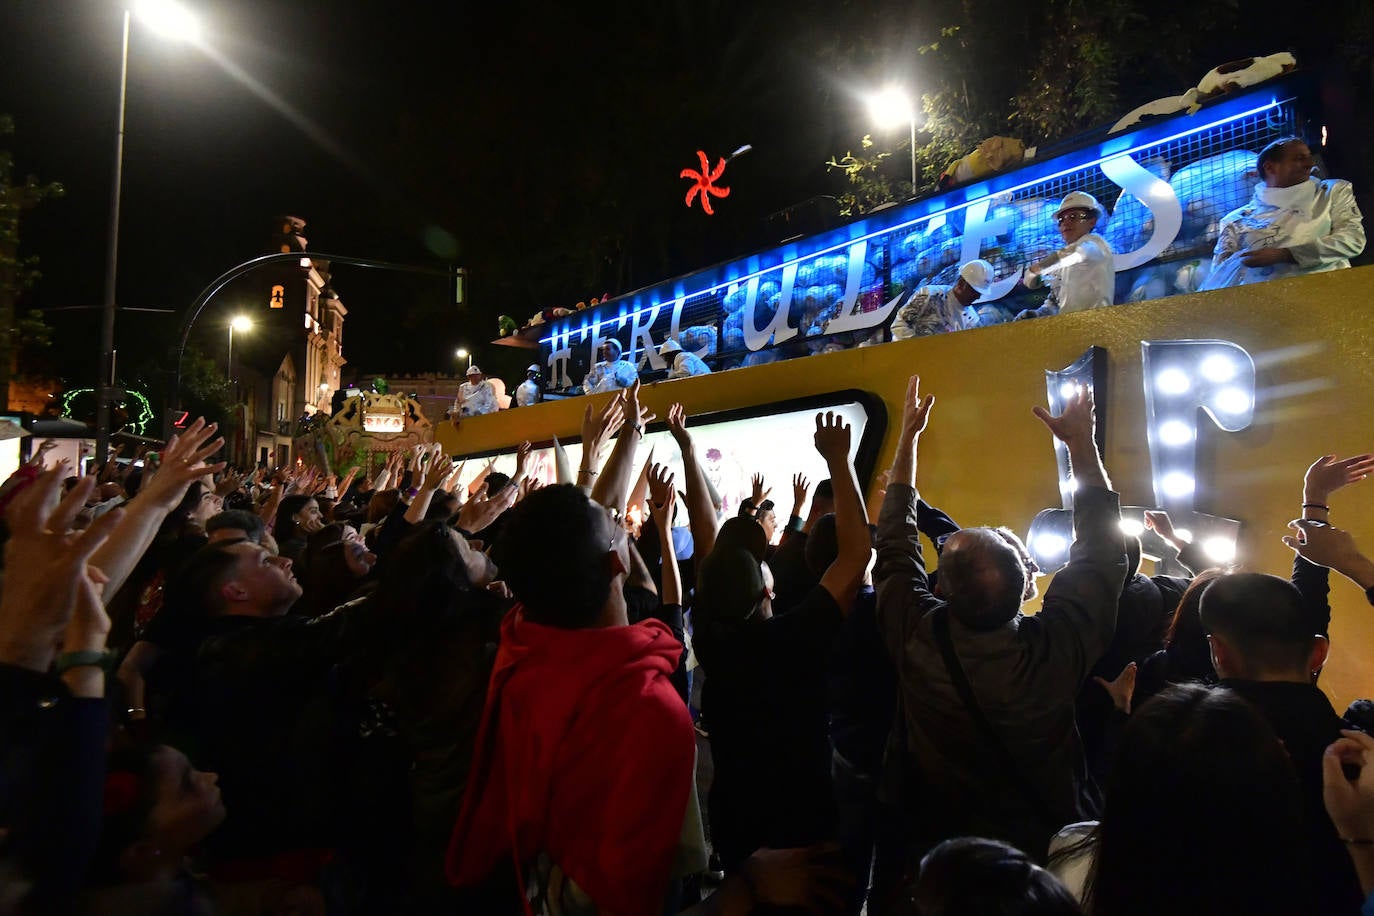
(171, 20)
(462, 353)
(890, 108)
(240, 323)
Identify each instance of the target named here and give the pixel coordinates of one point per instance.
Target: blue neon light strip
(898, 218)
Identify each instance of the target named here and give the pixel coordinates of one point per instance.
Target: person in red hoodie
(580, 795)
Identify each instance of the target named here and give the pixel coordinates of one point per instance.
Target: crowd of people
(281, 692)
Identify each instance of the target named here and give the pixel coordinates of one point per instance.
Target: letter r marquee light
(1181, 379)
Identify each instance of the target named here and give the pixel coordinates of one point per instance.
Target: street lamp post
(172, 20)
(464, 354)
(891, 107)
(240, 323)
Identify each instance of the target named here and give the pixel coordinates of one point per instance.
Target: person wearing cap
(1295, 224)
(528, 392)
(476, 396)
(611, 372)
(1082, 274)
(681, 364)
(936, 309)
(762, 700)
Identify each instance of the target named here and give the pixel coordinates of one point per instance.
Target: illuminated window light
(1177, 484)
(1183, 534)
(1219, 549)
(1232, 400)
(1175, 432)
(1132, 527)
(1218, 368)
(1173, 381)
(1050, 545)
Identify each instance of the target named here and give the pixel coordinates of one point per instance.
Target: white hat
(1076, 200)
(473, 370)
(977, 274)
(669, 346)
(532, 367)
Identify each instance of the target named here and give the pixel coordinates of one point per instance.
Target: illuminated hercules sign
(1167, 185)
(1182, 378)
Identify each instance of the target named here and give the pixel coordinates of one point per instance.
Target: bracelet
(639, 428)
(1361, 841)
(588, 471)
(1316, 506)
(86, 658)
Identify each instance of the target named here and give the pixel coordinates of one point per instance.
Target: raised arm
(662, 498)
(900, 575)
(183, 462)
(701, 511)
(1079, 611)
(844, 574)
(597, 429)
(612, 488)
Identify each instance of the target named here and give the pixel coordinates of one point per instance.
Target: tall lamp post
(889, 108)
(462, 353)
(240, 323)
(173, 21)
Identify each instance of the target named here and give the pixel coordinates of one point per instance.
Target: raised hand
(677, 426)
(800, 487)
(636, 414)
(1329, 473)
(183, 463)
(1350, 802)
(832, 437)
(1158, 521)
(522, 457)
(438, 470)
(1331, 547)
(599, 428)
(45, 566)
(757, 492)
(662, 495)
(1075, 424)
(479, 512)
(915, 409)
(1122, 689)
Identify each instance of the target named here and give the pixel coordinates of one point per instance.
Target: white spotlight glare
(1173, 381)
(1050, 545)
(1220, 549)
(1068, 486)
(169, 19)
(1132, 527)
(1177, 484)
(1183, 534)
(1175, 432)
(1218, 368)
(1232, 400)
(1068, 390)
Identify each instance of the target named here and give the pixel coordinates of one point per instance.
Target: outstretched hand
(1331, 547)
(46, 566)
(758, 494)
(662, 495)
(832, 437)
(1328, 474)
(183, 462)
(1122, 689)
(800, 487)
(677, 426)
(1075, 424)
(1350, 803)
(915, 409)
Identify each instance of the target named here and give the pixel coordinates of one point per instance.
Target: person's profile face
(1075, 223)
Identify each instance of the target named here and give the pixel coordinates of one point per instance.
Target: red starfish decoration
(705, 182)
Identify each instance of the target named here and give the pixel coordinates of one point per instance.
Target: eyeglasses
(1077, 216)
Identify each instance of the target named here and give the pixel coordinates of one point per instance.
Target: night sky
(536, 143)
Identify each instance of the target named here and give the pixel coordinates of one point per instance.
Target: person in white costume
(681, 364)
(611, 373)
(476, 396)
(937, 308)
(528, 391)
(1081, 275)
(1295, 224)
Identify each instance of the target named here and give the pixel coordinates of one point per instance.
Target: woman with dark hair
(970, 876)
(335, 575)
(157, 809)
(430, 659)
(1203, 817)
(1186, 655)
(297, 518)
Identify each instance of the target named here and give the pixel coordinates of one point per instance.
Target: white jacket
(1084, 277)
(1317, 221)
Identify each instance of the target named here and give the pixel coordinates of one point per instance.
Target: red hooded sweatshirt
(585, 753)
